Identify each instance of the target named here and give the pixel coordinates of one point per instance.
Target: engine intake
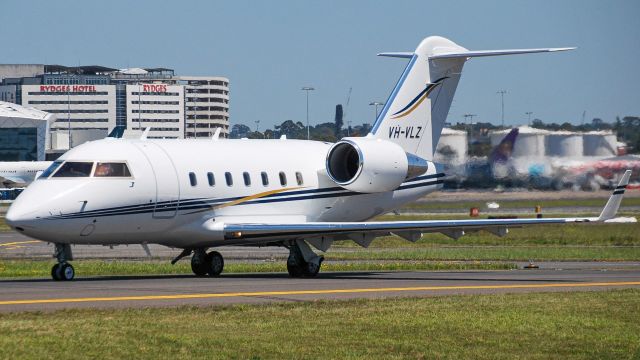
(371, 165)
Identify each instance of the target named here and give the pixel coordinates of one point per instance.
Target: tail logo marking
(413, 104)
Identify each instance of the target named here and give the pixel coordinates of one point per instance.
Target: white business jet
(200, 194)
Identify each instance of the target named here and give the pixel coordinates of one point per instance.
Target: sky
(270, 49)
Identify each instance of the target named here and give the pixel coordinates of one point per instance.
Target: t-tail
(417, 108)
(117, 132)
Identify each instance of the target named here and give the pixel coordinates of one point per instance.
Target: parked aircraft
(22, 173)
(198, 194)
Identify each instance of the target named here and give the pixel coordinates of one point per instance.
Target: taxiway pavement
(158, 291)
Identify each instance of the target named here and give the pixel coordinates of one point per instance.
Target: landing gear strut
(63, 270)
(203, 264)
(302, 261)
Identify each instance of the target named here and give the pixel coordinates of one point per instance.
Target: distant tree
(239, 131)
(538, 124)
(596, 123)
(566, 126)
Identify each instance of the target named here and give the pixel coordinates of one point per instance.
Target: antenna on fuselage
(216, 135)
(145, 134)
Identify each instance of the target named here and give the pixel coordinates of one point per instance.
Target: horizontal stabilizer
(402, 55)
(470, 54)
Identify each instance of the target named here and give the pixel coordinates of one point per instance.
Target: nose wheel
(63, 271)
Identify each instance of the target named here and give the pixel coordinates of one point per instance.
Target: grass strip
(427, 204)
(41, 269)
(573, 325)
(507, 253)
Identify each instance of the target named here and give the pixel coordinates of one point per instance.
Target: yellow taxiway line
(313, 292)
(20, 243)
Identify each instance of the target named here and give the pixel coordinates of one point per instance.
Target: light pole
(528, 113)
(69, 110)
(307, 89)
(502, 92)
(257, 125)
(376, 104)
(139, 112)
(469, 116)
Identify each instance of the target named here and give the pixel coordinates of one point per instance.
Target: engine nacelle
(370, 165)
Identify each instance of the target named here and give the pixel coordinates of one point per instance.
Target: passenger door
(166, 178)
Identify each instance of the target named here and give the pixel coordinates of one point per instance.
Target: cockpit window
(112, 169)
(53, 167)
(74, 169)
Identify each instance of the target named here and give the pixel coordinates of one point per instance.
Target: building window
(299, 179)
(283, 178)
(229, 178)
(192, 179)
(265, 178)
(247, 178)
(212, 180)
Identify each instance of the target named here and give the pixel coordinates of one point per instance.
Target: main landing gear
(63, 270)
(203, 264)
(302, 261)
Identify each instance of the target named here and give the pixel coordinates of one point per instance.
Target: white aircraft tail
(417, 108)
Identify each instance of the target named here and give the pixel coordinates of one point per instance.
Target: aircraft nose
(20, 215)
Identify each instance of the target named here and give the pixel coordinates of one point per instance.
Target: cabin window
(247, 178)
(299, 178)
(265, 178)
(212, 180)
(74, 169)
(229, 178)
(112, 169)
(50, 170)
(283, 178)
(192, 179)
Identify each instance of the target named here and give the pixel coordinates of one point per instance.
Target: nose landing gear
(63, 271)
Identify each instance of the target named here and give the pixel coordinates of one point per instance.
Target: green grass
(41, 268)
(509, 253)
(570, 234)
(576, 325)
(427, 205)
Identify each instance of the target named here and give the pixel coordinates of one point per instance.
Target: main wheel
(215, 263)
(294, 269)
(311, 269)
(199, 265)
(54, 272)
(66, 272)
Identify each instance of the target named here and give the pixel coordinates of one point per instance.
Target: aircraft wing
(364, 232)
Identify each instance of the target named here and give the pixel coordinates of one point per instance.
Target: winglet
(402, 55)
(613, 204)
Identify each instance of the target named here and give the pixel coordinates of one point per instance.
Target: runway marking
(20, 242)
(312, 292)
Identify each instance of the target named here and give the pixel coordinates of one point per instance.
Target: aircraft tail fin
(502, 152)
(417, 108)
(117, 132)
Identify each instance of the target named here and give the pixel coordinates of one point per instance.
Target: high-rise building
(89, 101)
